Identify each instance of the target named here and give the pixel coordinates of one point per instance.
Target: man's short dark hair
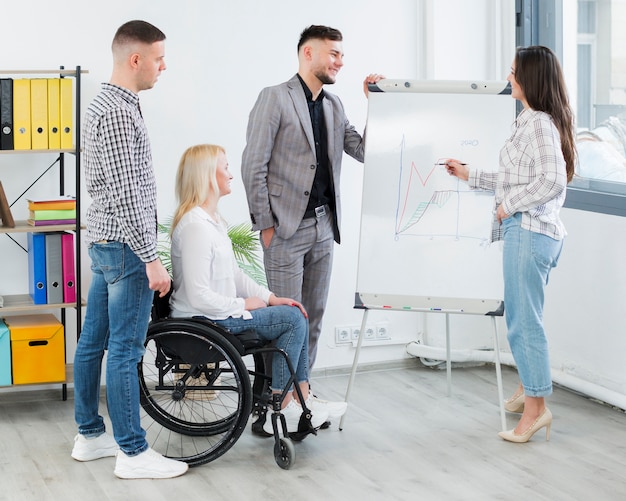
(137, 31)
(316, 31)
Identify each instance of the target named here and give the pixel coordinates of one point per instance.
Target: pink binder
(69, 274)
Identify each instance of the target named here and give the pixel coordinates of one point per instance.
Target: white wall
(585, 304)
(219, 56)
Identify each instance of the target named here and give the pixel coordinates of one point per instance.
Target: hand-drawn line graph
(431, 203)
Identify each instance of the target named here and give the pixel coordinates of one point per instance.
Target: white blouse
(207, 278)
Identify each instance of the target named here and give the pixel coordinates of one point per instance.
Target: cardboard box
(37, 349)
(5, 355)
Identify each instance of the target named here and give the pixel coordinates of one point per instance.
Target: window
(600, 184)
(594, 56)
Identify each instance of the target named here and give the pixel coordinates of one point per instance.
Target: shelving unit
(23, 303)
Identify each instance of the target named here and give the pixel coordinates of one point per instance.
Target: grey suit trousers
(300, 267)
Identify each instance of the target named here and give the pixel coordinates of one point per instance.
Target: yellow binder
(67, 123)
(39, 113)
(21, 114)
(54, 116)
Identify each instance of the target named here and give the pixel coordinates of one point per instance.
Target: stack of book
(51, 211)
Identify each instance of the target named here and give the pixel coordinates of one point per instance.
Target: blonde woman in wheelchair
(208, 282)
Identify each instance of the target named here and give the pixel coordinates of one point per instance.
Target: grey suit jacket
(278, 164)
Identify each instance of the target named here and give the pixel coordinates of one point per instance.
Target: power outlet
(342, 335)
(382, 332)
(372, 334)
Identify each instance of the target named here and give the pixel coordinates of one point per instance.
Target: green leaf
(245, 247)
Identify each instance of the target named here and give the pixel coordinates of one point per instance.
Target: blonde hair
(196, 171)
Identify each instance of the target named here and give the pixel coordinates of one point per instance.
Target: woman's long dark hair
(539, 74)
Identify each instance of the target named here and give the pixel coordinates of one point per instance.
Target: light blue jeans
(288, 326)
(117, 317)
(528, 258)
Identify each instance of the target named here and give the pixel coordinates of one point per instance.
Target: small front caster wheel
(284, 453)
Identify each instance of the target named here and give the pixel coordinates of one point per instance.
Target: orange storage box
(37, 349)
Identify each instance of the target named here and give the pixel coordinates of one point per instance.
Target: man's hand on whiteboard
(456, 168)
(372, 78)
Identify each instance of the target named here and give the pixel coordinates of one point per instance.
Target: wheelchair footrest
(304, 428)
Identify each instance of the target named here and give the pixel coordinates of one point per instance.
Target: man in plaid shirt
(122, 241)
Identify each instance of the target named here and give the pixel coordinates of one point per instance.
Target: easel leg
(448, 356)
(496, 349)
(355, 362)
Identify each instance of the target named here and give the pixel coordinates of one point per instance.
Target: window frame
(596, 195)
(588, 194)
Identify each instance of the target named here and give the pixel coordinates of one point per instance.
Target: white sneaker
(334, 409)
(90, 448)
(148, 464)
(292, 413)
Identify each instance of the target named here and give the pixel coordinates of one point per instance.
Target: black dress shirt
(322, 189)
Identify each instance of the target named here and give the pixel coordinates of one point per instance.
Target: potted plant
(245, 245)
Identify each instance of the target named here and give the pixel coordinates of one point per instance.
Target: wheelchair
(197, 393)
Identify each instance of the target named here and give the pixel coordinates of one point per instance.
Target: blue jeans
(528, 258)
(288, 326)
(117, 317)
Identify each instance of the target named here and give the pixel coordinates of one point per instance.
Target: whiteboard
(425, 235)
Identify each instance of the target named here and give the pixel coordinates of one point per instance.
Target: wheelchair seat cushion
(250, 340)
(245, 341)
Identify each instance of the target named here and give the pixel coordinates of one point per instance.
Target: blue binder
(5, 355)
(37, 268)
(54, 268)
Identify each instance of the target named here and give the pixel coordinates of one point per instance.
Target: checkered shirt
(531, 178)
(119, 173)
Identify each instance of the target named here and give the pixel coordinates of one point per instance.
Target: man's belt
(320, 211)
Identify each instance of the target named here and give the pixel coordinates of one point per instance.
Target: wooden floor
(403, 439)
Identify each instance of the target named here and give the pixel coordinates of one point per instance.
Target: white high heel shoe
(544, 419)
(515, 403)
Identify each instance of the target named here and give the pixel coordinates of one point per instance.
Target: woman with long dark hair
(536, 163)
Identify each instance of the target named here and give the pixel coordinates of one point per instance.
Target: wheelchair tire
(284, 453)
(194, 389)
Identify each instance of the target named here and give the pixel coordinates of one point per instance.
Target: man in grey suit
(297, 133)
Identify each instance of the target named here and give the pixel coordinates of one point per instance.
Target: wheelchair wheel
(195, 391)
(284, 453)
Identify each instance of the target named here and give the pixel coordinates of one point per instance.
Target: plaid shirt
(119, 173)
(532, 177)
